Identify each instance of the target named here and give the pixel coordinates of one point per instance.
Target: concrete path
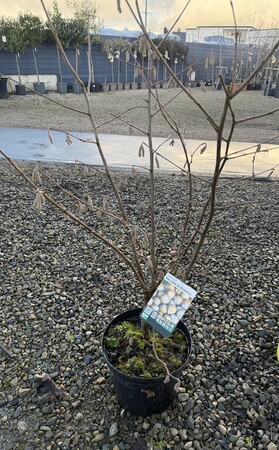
(122, 151)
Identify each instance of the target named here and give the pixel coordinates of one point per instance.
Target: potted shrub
(127, 50)
(64, 30)
(33, 30)
(78, 33)
(16, 44)
(87, 12)
(121, 47)
(145, 255)
(134, 50)
(107, 46)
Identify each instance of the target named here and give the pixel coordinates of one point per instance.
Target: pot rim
(136, 311)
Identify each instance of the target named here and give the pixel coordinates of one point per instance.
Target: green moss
(112, 342)
(131, 354)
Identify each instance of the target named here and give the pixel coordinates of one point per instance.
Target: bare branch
(256, 70)
(76, 219)
(258, 116)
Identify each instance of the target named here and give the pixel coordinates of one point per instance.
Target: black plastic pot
(133, 393)
(20, 89)
(3, 88)
(40, 87)
(95, 87)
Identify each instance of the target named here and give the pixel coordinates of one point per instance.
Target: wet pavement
(122, 151)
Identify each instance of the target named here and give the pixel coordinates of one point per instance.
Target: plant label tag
(168, 304)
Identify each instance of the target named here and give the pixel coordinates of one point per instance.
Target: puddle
(122, 151)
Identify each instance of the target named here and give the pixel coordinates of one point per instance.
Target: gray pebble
(189, 405)
(18, 411)
(113, 430)
(182, 397)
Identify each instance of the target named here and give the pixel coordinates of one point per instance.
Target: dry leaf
(39, 201)
(134, 233)
(36, 177)
(139, 70)
(80, 207)
(149, 264)
(44, 384)
(90, 203)
(145, 241)
(141, 150)
(202, 147)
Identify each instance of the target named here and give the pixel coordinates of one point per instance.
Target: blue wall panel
(47, 63)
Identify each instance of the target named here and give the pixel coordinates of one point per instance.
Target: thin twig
(76, 219)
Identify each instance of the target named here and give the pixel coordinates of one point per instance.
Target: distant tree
(87, 11)
(78, 32)
(33, 33)
(64, 30)
(14, 40)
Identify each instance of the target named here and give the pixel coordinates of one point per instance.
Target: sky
(162, 13)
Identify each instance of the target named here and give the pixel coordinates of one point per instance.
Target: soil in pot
(139, 395)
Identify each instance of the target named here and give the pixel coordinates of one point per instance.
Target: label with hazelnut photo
(168, 304)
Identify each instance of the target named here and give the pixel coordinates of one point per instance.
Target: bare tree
(142, 256)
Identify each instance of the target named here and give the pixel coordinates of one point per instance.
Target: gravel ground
(28, 112)
(59, 288)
